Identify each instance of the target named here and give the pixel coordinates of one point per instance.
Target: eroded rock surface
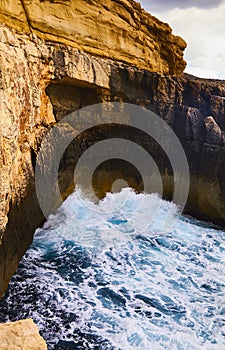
(42, 81)
(21, 335)
(117, 29)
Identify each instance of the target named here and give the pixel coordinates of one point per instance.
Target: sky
(201, 23)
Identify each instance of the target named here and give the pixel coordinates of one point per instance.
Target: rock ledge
(116, 29)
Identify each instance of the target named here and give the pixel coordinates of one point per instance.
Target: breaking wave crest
(100, 276)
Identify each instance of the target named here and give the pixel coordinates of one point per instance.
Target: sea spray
(94, 279)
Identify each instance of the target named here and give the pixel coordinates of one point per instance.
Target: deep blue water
(96, 277)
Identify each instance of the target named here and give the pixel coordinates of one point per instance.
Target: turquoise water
(98, 277)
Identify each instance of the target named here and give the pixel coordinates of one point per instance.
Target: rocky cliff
(21, 335)
(117, 29)
(52, 69)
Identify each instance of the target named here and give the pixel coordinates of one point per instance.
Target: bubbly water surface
(96, 279)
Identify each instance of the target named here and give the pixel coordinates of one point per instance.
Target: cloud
(203, 31)
(159, 6)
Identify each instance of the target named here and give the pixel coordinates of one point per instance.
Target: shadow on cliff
(195, 109)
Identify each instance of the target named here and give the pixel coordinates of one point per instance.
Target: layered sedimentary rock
(21, 335)
(194, 108)
(117, 29)
(43, 78)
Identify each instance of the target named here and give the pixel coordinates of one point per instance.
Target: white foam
(173, 271)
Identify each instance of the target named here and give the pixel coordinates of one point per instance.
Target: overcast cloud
(203, 28)
(165, 5)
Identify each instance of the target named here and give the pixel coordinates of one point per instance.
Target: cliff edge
(116, 29)
(45, 75)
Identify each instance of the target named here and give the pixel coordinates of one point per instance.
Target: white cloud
(204, 32)
(165, 5)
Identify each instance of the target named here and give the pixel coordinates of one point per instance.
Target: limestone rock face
(26, 69)
(42, 81)
(194, 108)
(117, 29)
(21, 335)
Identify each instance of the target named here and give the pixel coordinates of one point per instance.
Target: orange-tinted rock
(21, 335)
(116, 29)
(42, 81)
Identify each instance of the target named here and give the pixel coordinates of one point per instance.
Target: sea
(106, 276)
